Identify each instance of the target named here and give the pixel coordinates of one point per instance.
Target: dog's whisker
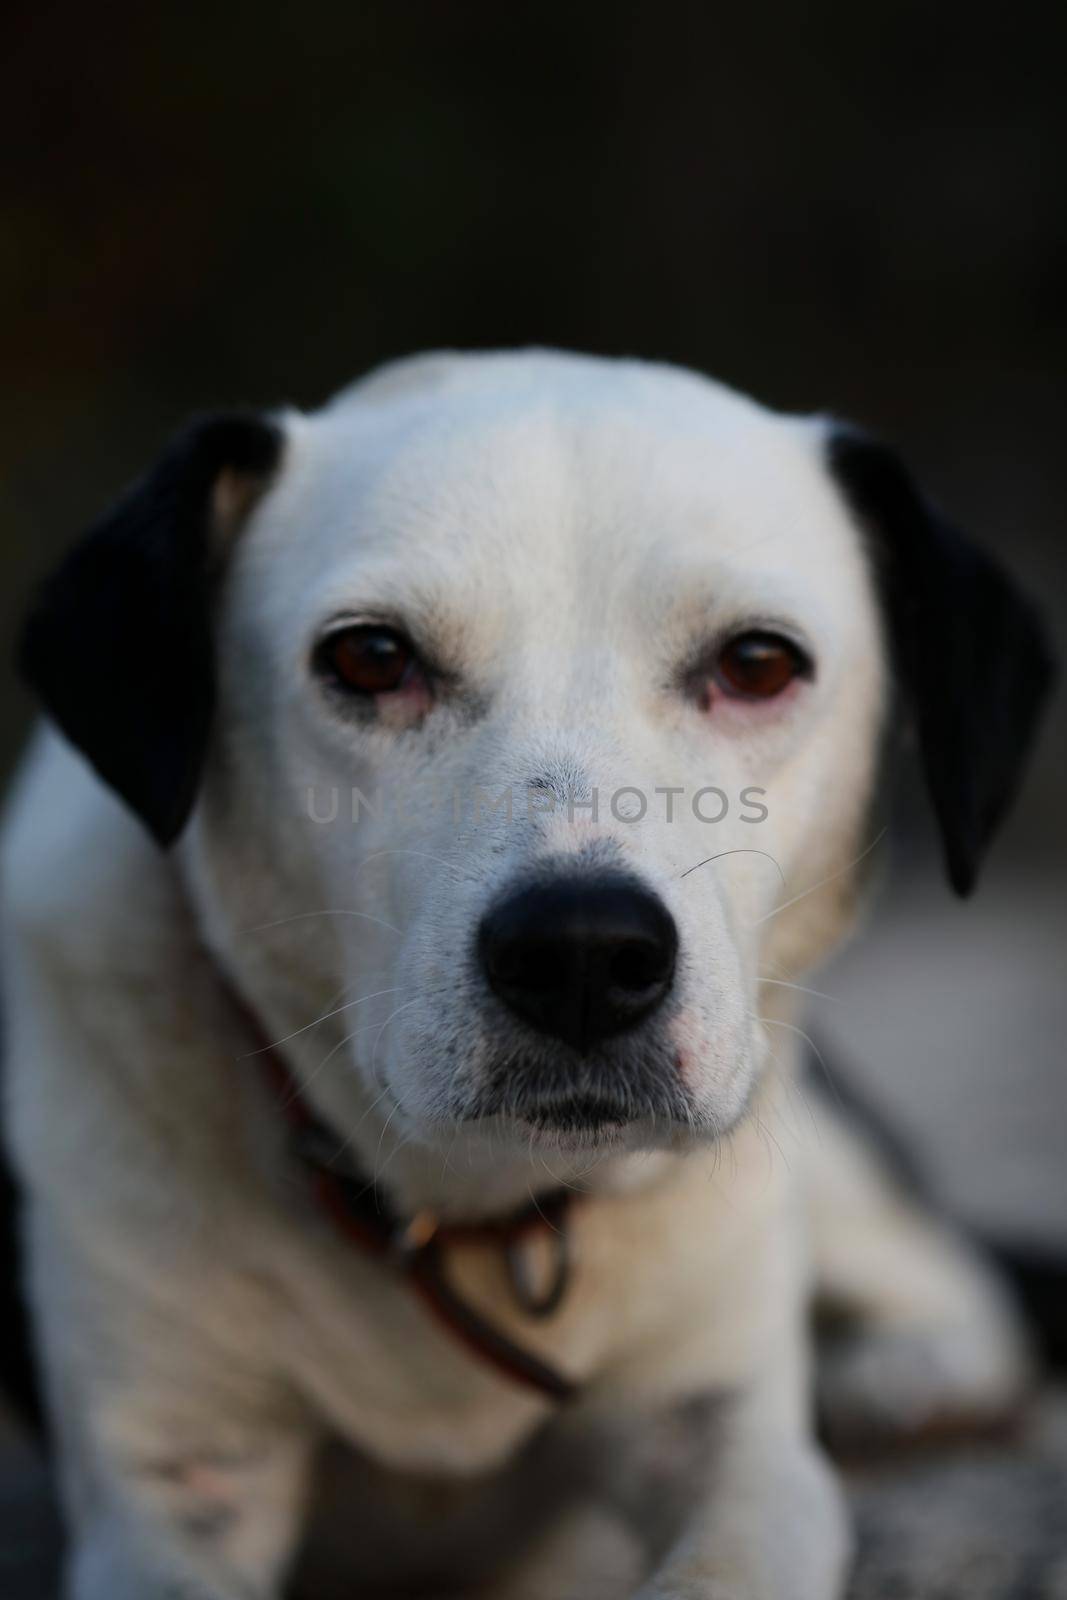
(401, 1144)
(560, 1183)
(446, 1159)
(328, 911)
(795, 1092)
(361, 977)
(802, 988)
(741, 850)
(326, 1015)
(346, 1144)
(776, 1022)
(769, 1137)
(385, 1024)
(830, 878)
(375, 1174)
(428, 855)
(348, 986)
(764, 1134)
(345, 1039)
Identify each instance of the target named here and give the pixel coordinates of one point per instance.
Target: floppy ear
(118, 643)
(970, 652)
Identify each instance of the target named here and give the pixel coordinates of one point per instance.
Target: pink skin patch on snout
(682, 1037)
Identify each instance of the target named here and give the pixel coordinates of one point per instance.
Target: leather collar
(417, 1247)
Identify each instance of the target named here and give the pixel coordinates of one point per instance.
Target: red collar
(418, 1246)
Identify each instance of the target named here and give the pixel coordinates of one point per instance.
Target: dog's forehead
(555, 480)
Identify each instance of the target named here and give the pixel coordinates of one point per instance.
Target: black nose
(580, 959)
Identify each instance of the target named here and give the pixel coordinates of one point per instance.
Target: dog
(407, 909)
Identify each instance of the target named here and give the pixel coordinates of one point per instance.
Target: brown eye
(758, 666)
(367, 659)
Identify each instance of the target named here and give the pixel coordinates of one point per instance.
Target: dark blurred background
(835, 206)
(861, 208)
(832, 205)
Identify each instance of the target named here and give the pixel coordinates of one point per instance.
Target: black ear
(970, 652)
(118, 643)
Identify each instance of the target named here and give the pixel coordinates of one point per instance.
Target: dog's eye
(758, 666)
(367, 659)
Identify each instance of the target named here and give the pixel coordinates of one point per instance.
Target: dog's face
(545, 704)
(589, 595)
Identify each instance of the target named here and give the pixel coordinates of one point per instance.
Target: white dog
(400, 1033)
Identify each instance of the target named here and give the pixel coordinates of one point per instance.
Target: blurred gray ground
(953, 1017)
(975, 1523)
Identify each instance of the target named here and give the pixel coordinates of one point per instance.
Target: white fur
(565, 533)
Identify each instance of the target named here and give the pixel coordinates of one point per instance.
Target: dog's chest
(652, 1273)
(396, 1383)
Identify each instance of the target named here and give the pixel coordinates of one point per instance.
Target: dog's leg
(184, 1462)
(195, 1526)
(921, 1336)
(769, 1523)
(200, 1516)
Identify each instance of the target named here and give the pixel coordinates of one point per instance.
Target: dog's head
(525, 713)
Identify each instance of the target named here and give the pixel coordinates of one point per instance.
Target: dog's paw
(881, 1386)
